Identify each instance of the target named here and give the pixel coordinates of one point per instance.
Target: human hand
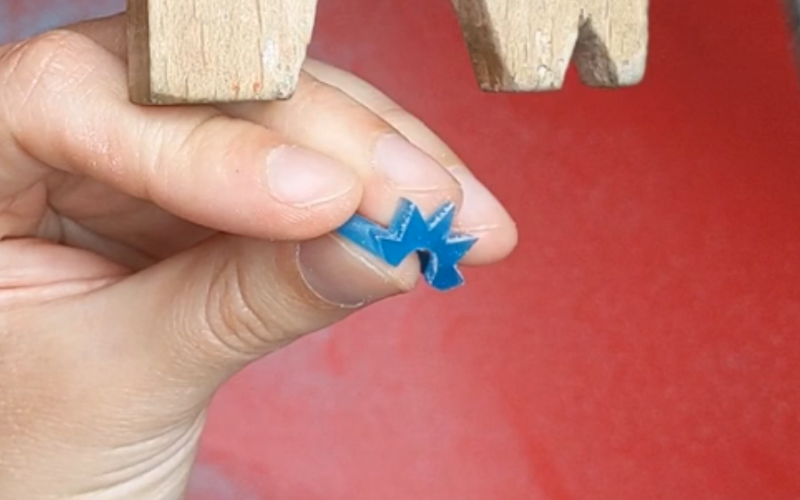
(148, 254)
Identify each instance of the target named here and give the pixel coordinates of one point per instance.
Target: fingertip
(483, 215)
(494, 245)
(324, 118)
(402, 170)
(313, 194)
(416, 161)
(301, 178)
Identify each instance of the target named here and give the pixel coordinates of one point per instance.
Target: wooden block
(205, 51)
(527, 45)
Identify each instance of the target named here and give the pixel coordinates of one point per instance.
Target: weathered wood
(527, 45)
(204, 51)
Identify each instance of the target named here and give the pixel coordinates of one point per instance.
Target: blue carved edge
(439, 249)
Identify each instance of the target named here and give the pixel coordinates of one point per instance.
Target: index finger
(65, 103)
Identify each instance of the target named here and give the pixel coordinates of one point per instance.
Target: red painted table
(642, 343)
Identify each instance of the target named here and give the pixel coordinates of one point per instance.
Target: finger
(325, 119)
(481, 214)
(207, 313)
(65, 103)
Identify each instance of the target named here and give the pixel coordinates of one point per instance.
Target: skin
(148, 254)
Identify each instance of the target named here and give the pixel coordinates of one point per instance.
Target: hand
(148, 254)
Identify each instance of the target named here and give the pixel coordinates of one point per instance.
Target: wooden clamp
(206, 51)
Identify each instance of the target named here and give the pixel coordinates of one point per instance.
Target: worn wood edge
(138, 51)
(487, 65)
(597, 69)
(589, 54)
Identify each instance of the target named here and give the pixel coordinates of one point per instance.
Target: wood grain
(204, 51)
(527, 45)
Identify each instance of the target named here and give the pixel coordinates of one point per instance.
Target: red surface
(642, 343)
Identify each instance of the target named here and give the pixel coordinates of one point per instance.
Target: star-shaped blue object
(439, 249)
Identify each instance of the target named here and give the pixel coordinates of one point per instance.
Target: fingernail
(480, 210)
(408, 167)
(300, 177)
(343, 275)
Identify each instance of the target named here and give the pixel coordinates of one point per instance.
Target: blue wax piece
(439, 249)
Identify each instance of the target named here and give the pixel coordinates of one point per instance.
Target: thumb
(207, 313)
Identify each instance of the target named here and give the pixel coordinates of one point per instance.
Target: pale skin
(148, 254)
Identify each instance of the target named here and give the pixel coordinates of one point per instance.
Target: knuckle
(307, 86)
(290, 114)
(49, 61)
(166, 149)
(315, 105)
(178, 144)
(36, 74)
(316, 96)
(244, 318)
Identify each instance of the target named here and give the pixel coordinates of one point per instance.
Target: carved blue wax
(439, 249)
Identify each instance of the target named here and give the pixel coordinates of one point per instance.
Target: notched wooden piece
(527, 45)
(206, 51)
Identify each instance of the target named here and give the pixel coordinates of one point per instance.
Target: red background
(642, 343)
